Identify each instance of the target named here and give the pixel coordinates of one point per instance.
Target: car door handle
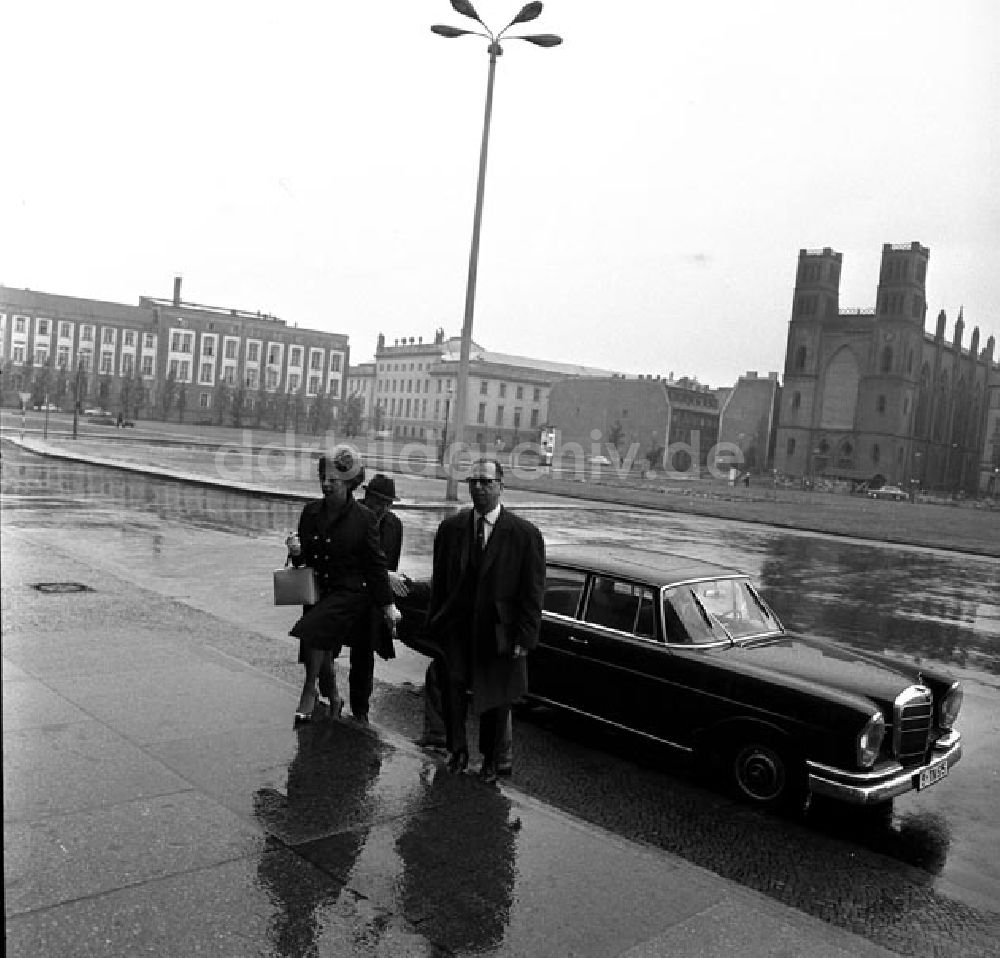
(575, 640)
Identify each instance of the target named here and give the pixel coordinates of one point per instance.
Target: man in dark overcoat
(485, 611)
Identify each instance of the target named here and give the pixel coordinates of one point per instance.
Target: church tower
(815, 301)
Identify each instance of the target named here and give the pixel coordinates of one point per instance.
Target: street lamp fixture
(528, 12)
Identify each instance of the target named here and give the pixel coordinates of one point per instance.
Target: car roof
(644, 565)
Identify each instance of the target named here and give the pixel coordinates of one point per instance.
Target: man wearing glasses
(485, 610)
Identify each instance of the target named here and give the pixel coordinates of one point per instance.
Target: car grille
(913, 718)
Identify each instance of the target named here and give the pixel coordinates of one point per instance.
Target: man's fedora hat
(382, 485)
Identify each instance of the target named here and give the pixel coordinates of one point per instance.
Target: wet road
(925, 881)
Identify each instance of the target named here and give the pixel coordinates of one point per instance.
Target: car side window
(621, 605)
(563, 588)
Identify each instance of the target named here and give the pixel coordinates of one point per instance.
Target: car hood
(828, 664)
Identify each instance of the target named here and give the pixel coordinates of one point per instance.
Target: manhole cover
(62, 587)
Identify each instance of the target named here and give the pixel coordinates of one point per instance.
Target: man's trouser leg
(435, 727)
(494, 728)
(361, 677)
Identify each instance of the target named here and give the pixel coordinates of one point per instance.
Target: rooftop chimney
(177, 290)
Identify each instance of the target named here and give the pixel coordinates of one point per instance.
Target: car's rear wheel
(765, 774)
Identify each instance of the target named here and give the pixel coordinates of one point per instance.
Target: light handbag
(295, 586)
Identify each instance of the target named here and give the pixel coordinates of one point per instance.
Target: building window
(881, 404)
(517, 418)
(335, 359)
(499, 420)
(106, 360)
(63, 357)
(519, 392)
(130, 337)
(484, 388)
(86, 360)
(19, 324)
(537, 397)
(273, 355)
(107, 336)
(205, 376)
(800, 357)
(251, 378)
(147, 365)
(293, 382)
(18, 355)
(295, 356)
(481, 417)
(185, 370)
(208, 346)
(128, 365)
(316, 361)
(41, 357)
(65, 332)
(43, 327)
(876, 454)
(886, 363)
(534, 418)
(503, 390)
(253, 352)
(148, 341)
(229, 376)
(796, 400)
(87, 334)
(790, 447)
(204, 400)
(272, 379)
(231, 345)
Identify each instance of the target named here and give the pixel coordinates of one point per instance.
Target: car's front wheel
(763, 773)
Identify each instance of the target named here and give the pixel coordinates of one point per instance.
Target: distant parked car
(50, 407)
(888, 492)
(102, 419)
(94, 411)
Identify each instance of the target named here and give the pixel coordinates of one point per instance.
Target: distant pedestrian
(338, 538)
(485, 611)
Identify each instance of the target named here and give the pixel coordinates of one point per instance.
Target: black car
(689, 654)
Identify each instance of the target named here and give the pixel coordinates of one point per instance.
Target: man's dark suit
(483, 608)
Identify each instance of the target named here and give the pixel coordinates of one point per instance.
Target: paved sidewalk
(157, 801)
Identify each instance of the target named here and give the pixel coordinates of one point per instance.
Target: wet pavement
(915, 885)
(157, 801)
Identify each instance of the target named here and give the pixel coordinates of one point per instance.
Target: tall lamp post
(528, 12)
(447, 415)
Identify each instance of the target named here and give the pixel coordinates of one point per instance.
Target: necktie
(481, 533)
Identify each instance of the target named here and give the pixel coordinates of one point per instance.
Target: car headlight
(950, 706)
(870, 740)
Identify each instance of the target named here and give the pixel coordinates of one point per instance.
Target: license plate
(933, 773)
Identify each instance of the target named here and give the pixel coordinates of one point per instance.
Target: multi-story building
(868, 392)
(668, 423)
(167, 357)
(748, 416)
(508, 395)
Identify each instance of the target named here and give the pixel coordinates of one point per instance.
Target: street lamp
(528, 12)
(447, 414)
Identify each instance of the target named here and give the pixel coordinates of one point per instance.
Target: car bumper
(883, 784)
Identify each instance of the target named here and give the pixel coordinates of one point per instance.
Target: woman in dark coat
(339, 540)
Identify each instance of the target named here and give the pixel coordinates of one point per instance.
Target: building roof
(52, 303)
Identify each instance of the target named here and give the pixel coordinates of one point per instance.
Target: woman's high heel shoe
(303, 714)
(458, 761)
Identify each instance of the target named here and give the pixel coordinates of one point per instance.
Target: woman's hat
(382, 485)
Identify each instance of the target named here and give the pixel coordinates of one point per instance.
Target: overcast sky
(650, 181)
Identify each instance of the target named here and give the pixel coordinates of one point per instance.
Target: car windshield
(715, 610)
